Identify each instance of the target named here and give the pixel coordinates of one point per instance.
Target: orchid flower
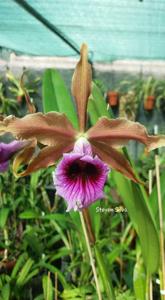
(80, 176)
(7, 151)
(87, 154)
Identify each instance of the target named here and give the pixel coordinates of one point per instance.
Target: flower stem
(6, 243)
(99, 257)
(104, 274)
(162, 254)
(149, 285)
(90, 255)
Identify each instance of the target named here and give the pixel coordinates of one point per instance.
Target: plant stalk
(162, 249)
(6, 244)
(99, 257)
(149, 285)
(90, 255)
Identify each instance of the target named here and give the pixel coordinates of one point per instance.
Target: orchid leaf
(153, 200)
(142, 220)
(4, 212)
(56, 96)
(47, 287)
(19, 263)
(119, 132)
(24, 272)
(54, 270)
(29, 214)
(95, 218)
(48, 94)
(81, 86)
(79, 293)
(48, 129)
(139, 279)
(5, 292)
(104, 273)
(96, 105)
(92, 110)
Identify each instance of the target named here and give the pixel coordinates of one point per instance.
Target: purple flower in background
(80, 177)
(7, 151)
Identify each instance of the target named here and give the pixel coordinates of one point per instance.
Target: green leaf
(48, 93)
(54, 270)
(97, 106)
(141, 217)
(34, 178)
(4, 212)
(76, 293)
(29, 214)
(24, 272)
(33, 242)
(40, 297)
(57, 217)
(56, 96)
(95, 218)
(139, 279)
(20, 261)
(104, 273)
(47, 287)
(5, 292)
(115, 252)
(62, 252)
(153, 199)
(31, 275)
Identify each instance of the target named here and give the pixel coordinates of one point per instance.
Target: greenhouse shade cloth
(113, 29)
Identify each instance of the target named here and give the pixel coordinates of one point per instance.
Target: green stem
(162, 249)
(6, 243)
(90, 256)
(99, 258)
(149, 284)
(104, 274)
(149, 287)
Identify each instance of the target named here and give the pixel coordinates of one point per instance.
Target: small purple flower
(80, 177)
(6, 153)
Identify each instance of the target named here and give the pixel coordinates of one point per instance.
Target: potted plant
(112, 98)
(149, 93)
(128, 106)
(129, 100)
(160, 101)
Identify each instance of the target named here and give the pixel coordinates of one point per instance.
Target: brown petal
(119, 132)
(49, 129)
(24, 156)
(81, 86)
(2, 131)
(45, 158)
(114, 159)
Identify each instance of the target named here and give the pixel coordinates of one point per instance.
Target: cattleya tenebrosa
(87, 155)
(80, 176)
